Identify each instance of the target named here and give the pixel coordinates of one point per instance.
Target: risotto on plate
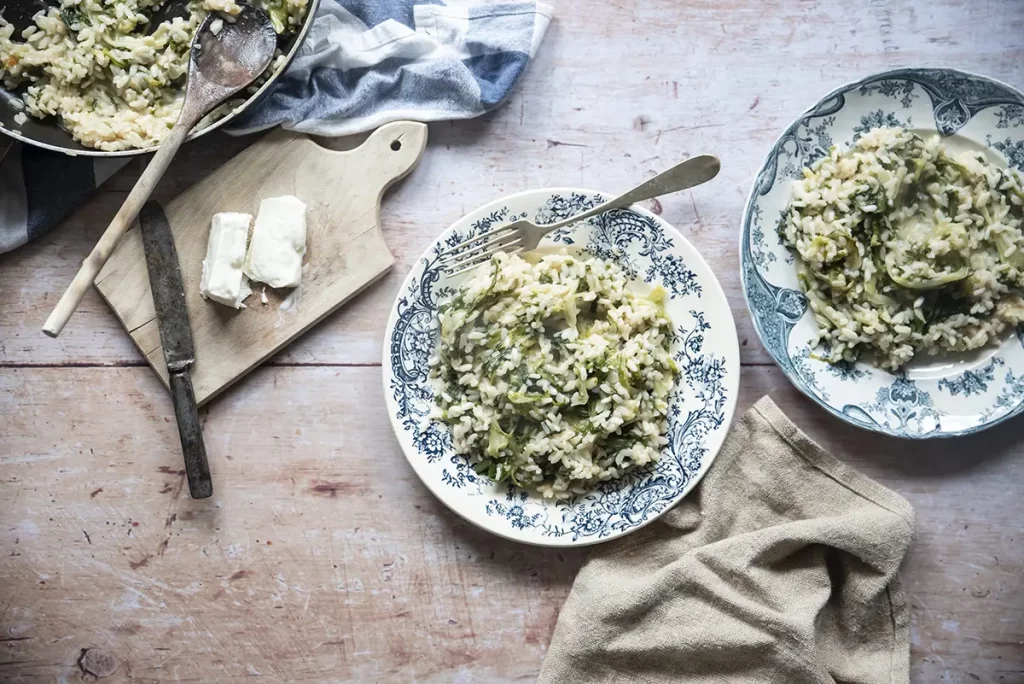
(904, 248)
(554, 375)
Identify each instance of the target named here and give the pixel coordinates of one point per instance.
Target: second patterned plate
(954, 396)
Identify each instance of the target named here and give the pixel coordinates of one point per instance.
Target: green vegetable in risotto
(111, 79)
(554, 375)
(903, 248)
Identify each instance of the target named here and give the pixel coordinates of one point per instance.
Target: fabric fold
(781, 566)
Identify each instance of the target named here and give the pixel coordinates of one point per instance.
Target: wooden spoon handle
(118, 227)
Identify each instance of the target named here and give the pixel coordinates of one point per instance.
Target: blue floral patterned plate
(937, 397)
(702, 405)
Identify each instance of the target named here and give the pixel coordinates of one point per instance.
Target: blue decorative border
(902, 409)
(642, 247)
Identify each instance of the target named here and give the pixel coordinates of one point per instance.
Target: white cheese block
(223, 280)
(278, 242)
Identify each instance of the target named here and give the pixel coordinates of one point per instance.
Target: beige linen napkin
(781, 566)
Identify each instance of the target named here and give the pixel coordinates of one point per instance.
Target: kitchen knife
(176, 340)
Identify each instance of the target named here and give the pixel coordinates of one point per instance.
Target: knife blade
(168, 288)
(176, 339)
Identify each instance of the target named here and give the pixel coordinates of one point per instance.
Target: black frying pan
(48, 133)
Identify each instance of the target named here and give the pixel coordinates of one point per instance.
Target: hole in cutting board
(396, 145)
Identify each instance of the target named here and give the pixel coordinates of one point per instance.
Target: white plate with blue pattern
(702, 405)
(940, 397)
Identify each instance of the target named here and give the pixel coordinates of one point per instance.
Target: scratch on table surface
(696, 214)
(915, 598)
(130, 600)
(684, 127)
(883, 15)
(559, 143)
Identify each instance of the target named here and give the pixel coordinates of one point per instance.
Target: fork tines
(467, 255)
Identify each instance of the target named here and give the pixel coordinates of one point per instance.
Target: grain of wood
(618, 91)
(322, 556)
(345, 251)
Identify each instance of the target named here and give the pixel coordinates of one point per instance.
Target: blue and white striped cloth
(364, 63)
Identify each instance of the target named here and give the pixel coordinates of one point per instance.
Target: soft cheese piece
(278, 242)
(223, 280)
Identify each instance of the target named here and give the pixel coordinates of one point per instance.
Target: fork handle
(685, 174)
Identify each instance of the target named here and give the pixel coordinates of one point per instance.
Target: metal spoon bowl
(220, 65)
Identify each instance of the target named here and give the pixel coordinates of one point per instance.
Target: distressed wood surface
(321, 557)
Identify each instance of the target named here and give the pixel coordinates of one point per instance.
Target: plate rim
(733, 384)
(895, 74)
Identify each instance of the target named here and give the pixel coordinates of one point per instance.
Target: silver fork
(523, 235)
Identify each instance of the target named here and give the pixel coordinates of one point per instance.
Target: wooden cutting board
(345, 249)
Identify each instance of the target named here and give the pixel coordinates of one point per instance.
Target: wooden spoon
(221, 64)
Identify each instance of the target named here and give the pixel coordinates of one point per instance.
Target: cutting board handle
(388, 155)
(400, 144)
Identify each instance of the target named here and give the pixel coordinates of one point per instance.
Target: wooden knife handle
(197, 468)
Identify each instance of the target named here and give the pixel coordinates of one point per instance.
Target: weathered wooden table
(321, 555)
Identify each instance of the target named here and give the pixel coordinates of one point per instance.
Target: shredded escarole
(904, 247)
(555, 374)
(914, 238)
